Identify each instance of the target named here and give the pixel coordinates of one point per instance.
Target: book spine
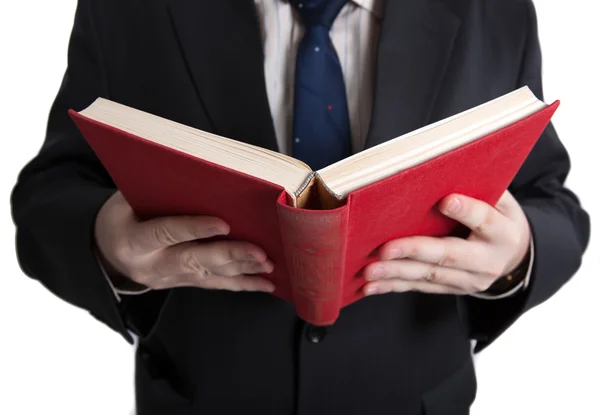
(314, 245)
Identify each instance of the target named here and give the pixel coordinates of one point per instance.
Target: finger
(400, 286)
(447, 252)
(155, 234)
(414, 271)
(206, 258)
(219, 253)
(244, 267)
(478, 216)
(238, 283)
(235, 283)
(509, 207)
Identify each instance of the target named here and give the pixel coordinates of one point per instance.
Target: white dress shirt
(354, 34)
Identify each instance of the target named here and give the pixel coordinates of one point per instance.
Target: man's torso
(201, 63)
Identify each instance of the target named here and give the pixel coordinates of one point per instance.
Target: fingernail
(453, 206)
(372, 289)
(377, 273)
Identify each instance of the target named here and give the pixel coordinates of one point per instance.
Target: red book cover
(318, 254)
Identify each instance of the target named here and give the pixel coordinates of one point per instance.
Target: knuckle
(231, 251)
(448, 257)
(486, 222)
(412, 250)
(190, 263)
(432, 274)
(163, 235)
(203, 273)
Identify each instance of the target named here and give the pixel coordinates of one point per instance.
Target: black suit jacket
(211, 352)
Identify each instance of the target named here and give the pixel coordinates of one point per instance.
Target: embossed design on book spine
(314, 255)
(313, 271)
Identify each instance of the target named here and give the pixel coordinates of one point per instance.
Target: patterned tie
(321, 124)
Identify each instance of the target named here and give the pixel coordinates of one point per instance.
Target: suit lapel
(225, 34)
(415, 45)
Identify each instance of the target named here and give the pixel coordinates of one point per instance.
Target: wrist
(515, 281)
(120, 282)
(511, 280)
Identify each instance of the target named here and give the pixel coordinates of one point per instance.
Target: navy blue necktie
(321, 131)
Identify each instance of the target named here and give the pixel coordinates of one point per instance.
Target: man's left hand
(498, 243)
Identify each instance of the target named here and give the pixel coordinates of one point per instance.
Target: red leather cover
(406, 204)
(159, 181)
(399, 206)
(318, 255)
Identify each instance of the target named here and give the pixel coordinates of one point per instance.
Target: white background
(55, 358)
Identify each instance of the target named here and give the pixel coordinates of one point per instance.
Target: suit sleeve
(58, 193)
(560, 227)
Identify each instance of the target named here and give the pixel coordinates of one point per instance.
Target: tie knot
(318, 12)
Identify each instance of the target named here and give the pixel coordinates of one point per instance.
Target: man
(211, 338)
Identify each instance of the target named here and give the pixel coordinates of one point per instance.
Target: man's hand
(170, 252)
(498, 243)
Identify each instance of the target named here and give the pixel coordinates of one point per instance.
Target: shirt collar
(373, 6)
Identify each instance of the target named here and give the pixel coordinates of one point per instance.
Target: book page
(428, 142)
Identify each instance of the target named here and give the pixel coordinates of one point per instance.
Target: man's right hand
(174, 251)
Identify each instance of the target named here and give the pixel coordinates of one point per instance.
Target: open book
(339, 179)
(318, 227)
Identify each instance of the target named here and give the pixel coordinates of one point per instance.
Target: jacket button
(315, 334)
